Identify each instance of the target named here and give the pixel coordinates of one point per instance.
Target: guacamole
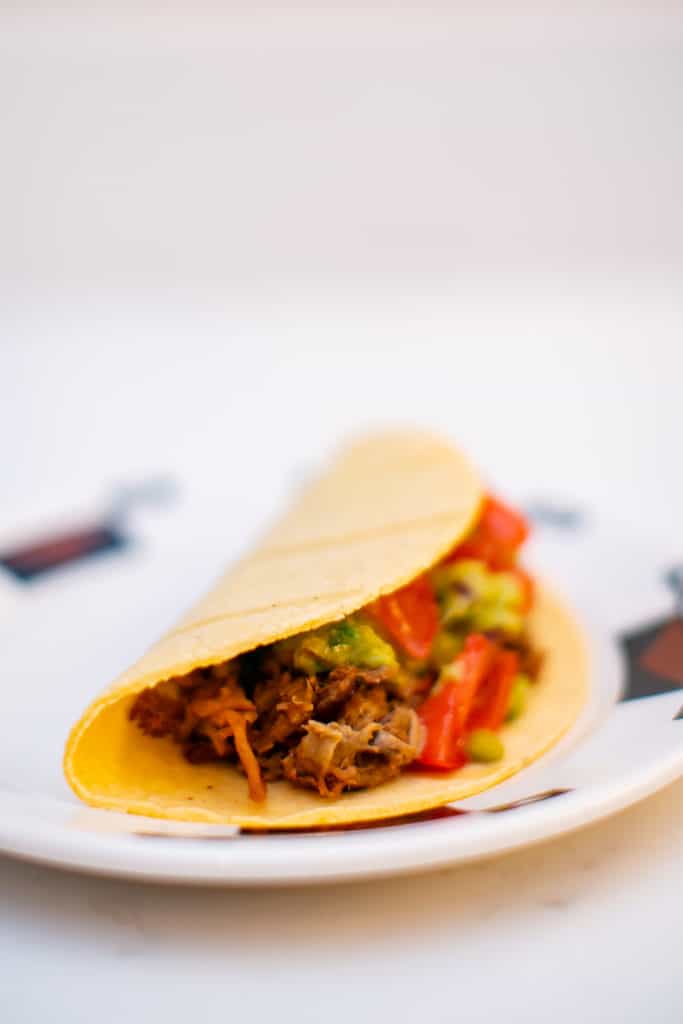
(349, 642)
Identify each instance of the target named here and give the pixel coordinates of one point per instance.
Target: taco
(380, 653)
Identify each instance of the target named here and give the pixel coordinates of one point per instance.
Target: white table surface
(226, 241)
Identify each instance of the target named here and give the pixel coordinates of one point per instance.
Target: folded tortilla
(390, 506)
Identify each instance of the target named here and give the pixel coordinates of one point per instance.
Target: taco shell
(389, 507)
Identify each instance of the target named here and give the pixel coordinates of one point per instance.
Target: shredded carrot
(257, 788)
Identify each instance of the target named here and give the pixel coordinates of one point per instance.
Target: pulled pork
(335, 756)
(348, 729)
(209, 714)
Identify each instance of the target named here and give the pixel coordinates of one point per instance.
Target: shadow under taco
(380, 653)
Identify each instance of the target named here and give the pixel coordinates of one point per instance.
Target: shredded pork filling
(347, 729)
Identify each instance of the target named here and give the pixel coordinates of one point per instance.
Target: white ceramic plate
(62, 639)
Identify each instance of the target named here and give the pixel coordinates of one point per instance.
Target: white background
(231, 236)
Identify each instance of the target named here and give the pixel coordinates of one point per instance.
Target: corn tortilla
(389, 507)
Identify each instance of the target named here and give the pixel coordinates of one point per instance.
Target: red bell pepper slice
(410, 616)
(445, 714)
(443, 747)
(497, 536)
(493, 697)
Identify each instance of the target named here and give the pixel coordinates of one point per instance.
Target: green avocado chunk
(485, 746)
(475, 599)
(349, 642)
